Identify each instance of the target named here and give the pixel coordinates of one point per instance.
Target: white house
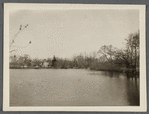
(45, 64)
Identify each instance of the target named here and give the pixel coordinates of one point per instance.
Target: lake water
(72, 87)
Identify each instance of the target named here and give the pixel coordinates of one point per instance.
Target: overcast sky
(64, 33)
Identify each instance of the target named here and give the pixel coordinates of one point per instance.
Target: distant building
(45, 64)
(25, 66)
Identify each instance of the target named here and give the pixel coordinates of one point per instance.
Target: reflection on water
(72, 87)
(133, 96)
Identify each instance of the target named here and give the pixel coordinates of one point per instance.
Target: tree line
(107, 57)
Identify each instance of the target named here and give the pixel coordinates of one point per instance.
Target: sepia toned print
(74, 58)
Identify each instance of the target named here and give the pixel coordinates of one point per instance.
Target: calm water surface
(71, 87)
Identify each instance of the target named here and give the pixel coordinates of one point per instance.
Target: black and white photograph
(74, 57)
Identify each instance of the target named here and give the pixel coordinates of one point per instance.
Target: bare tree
(12, 41)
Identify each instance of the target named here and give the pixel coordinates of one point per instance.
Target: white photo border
(33, 6)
